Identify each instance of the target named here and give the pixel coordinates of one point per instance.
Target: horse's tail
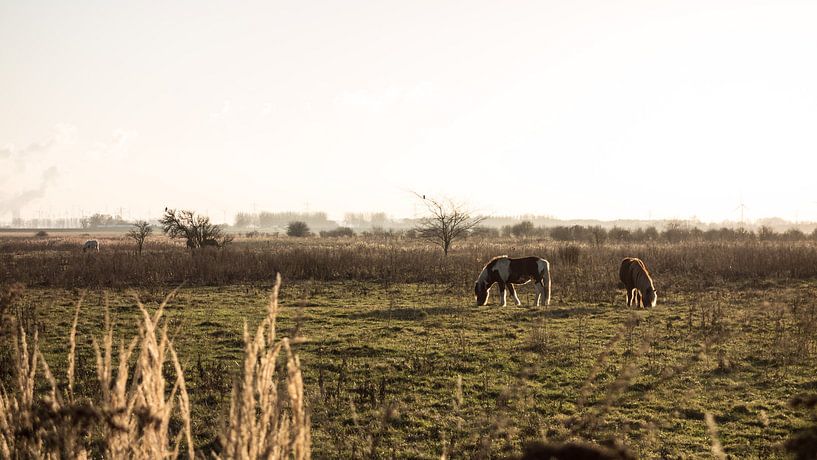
(625, 273)
(545, 274)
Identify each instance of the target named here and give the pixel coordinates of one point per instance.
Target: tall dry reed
(142, 413)
(265, 422)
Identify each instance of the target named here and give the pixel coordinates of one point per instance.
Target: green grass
(381, 364)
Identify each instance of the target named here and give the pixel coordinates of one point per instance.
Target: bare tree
(196, 229)
(447, 222)
(139, 233)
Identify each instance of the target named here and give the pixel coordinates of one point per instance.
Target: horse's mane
(494, 260)
(644, 267)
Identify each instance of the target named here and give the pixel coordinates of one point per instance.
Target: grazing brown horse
(507, 272)
(637, 281)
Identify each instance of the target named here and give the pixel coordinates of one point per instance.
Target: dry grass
(264, 423)
(143, 408)
(581, 272)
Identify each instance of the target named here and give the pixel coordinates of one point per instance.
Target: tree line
(672, 233)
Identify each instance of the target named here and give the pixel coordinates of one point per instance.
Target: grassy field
(398, 362)
(414, 370)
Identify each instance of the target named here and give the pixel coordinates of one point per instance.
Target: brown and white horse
(507, 272)
(637, 281)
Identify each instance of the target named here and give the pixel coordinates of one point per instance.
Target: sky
(574, 109)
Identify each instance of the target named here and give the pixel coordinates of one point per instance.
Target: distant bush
(728, 234)
(793, 234)
(338, 232)
(101, 220)
(380, 232)
(573, 233)
(197, 230)
(485, 232)
(619, 235)
(598, 234)
(676, 232)
(298, 229)
(523, 229)
(648, 234)
(41, 234)
(765, 233)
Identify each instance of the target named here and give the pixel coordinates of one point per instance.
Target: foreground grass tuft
(142, 408)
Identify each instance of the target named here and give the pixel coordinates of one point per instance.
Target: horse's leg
(630, 295)
(539, 292)
(503, 299)
(513, 293)
(546, 290)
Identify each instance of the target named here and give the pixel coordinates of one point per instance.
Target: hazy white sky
(598, 109)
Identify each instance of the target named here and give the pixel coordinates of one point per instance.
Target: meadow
(397, 361)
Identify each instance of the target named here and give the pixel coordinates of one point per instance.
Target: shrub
(196, 229)
(793, 234)
(298, 229)
(338, 232)
(41, 234)
(766, 233)
(619, 235)
(599, 235)
(523, 229)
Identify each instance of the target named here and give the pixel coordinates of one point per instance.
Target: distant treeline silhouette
(282, 219)
(673, 233)
(320, 221)
(594, 234)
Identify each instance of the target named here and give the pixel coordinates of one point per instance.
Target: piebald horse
(508, 272)
(637, 281)
(91, 245)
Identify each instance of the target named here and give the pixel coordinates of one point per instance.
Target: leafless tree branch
(446, 222)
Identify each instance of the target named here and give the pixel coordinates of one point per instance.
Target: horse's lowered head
(650, 297)
(91, 245)
(481, 288)
(481, 292)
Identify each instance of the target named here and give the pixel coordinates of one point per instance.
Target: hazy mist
(585, 109)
